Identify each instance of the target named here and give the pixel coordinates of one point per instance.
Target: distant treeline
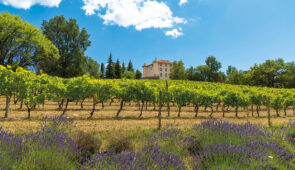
(271, 73)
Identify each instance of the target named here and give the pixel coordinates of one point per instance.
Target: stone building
(157, 70)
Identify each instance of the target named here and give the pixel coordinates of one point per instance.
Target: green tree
(287, 77)
(22, 44)
(128, 75)
(266, 74)
(118, 71)
(202, 73)
(92, 68)
(102, 70)
(191, 73)
(123, 68)
(177, 71)
(230, 70)
(71, 42)
(138, 74)
(130, 67)
(110, 71)
(214, 66)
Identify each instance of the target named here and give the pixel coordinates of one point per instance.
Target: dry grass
(103, 119)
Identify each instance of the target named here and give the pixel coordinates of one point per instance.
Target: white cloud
(174, 32)
(181, 2)
(26, 4)
(141, 14)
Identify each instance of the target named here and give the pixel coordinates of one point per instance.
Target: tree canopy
(22, 44)
(71, 42)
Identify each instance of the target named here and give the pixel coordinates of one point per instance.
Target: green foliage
(102, 71)
(118, 71)
(110, 71)
(92, 68)
(71, 43)
(130, 67)
(177, 71)
(22, 44)
(138, 74)
(128, 75)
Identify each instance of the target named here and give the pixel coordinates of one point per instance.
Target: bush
(120, 142)
(87, 143)
(192, 145)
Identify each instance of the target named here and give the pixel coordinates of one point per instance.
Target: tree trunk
(277, 111)
(146, 105)
(179, 110)
(7, 106)
(285, 111)
(66, 107)
(252, 110)
(154, 106)
(82, 106)
(168, 109)
(247, 111)
(121, 107)
(141, 109)
(93, 107)
(294, 109)
(257, 110)
(237, 110)
(197, 110)
(102, 105)
(160, 112)
(61, 104)
(112, 100)
(21, 105)
(223, 111)
(268, 115)
(15, 100)
(217, 107)
(29, 113)
(138, 104)
(211, 114)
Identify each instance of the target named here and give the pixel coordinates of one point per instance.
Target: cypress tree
(110, 72)
(123, 69)
(102, 70)
(130, 67)
(118, 72)
(138, 74)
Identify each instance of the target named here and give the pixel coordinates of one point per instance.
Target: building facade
(157, 70)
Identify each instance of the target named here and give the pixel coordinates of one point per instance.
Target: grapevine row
(34, 90)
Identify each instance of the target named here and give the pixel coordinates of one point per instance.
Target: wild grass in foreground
(213, 144)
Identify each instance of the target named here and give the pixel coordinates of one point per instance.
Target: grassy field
(103, 119)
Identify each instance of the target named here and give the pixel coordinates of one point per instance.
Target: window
(160, 74)
(160, 69)
(165, 65)
(165, 74)
(160, 64)
(165, 69)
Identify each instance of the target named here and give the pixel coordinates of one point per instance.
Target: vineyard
(31, 91)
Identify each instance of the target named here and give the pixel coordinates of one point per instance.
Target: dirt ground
(104, 119)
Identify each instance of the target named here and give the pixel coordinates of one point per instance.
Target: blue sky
(237, 32)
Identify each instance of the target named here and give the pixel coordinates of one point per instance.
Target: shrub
(87, 143)
(119, 142)
(192, 145)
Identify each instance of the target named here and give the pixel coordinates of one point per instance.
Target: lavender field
(213, 144)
